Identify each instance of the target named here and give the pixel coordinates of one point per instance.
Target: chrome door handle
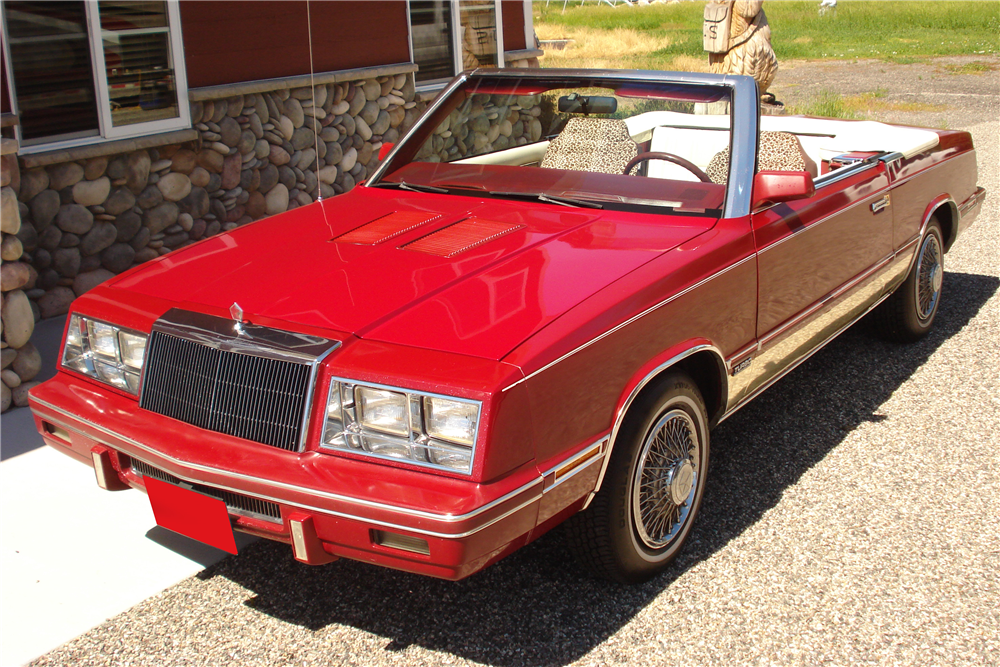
(880, 204)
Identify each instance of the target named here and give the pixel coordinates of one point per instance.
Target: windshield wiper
(549, 199)
(412, 187)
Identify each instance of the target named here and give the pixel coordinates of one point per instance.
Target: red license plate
(191, 514)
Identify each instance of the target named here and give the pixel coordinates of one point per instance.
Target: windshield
(574, 142)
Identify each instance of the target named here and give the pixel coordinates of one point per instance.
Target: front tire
(907, 315)
(643, 514)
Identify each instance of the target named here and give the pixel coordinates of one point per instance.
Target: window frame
(106, 131)
(456, 43)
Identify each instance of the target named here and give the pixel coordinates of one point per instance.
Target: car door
(819, 263)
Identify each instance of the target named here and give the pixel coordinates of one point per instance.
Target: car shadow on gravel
(537, 607)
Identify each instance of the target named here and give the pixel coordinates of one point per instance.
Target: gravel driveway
(851, 515)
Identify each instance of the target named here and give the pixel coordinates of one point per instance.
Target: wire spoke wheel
(930, 274)
(907, 315)
(642, 515)
(666, 479)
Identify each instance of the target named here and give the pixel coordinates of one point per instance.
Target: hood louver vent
(387, 227)
(461, 236)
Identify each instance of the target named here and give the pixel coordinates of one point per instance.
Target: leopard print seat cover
(779, 151)
(601, 145)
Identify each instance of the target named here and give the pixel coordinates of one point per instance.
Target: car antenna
(315, 122)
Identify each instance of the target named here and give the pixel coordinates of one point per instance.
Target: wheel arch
(700, 360)
(944, 208)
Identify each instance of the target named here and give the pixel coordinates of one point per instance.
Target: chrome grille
(243, 395)
(236, 503)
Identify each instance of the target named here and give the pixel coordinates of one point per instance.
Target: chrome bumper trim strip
(443, 518)
(567, 468)
(974, 199)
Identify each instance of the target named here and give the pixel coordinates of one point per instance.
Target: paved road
(851, 517)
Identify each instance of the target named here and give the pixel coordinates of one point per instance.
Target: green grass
(830, 104)
(976, 67)
(894, 31)
(827, 104)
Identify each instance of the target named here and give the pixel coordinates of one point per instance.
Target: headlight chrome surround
(394, 423)
(104, 352)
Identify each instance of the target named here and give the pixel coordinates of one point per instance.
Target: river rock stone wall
(79, 223)
(257, 155)
(19, 359)
(69, 226)
(484, 124)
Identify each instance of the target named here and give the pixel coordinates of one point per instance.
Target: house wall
(512, 14)
(72, 219)
(226, 42)
(20, 360)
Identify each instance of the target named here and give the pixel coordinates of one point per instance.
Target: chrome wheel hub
(666, 479)
(930, 276)
(681, 481)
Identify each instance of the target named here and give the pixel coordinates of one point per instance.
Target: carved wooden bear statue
(738, 39)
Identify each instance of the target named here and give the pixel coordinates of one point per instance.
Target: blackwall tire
(643, 514)
(909, 313)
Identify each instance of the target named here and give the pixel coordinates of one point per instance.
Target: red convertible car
(533, 312)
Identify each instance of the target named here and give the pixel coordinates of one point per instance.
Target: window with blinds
(53, 76)
(451, 35)
(479, 33)
(83, 71)
(136, 41)
(433, 42)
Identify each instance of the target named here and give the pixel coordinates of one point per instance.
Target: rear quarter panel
(949, 170)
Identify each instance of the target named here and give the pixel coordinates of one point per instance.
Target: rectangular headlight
(133, 349)
(382, 410)
(450, 420)
(104, 352)
(103, 340)
(389, 422)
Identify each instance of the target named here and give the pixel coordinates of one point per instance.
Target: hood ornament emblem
(237, 314)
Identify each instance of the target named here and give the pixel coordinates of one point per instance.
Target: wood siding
(228, 42)
(512, 12)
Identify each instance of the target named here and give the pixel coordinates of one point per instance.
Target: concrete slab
(71, 554)
(17, 430)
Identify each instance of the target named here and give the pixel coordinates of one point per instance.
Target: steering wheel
(669, 157)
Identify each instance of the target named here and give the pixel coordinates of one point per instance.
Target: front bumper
(323, 505)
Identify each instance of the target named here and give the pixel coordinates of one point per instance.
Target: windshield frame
(744, 112)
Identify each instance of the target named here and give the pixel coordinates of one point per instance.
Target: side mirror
(384, 150)
(771, 187)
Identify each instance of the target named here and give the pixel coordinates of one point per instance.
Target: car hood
(479, 288)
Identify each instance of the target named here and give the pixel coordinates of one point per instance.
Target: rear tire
(907, 315)
(641, 517)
